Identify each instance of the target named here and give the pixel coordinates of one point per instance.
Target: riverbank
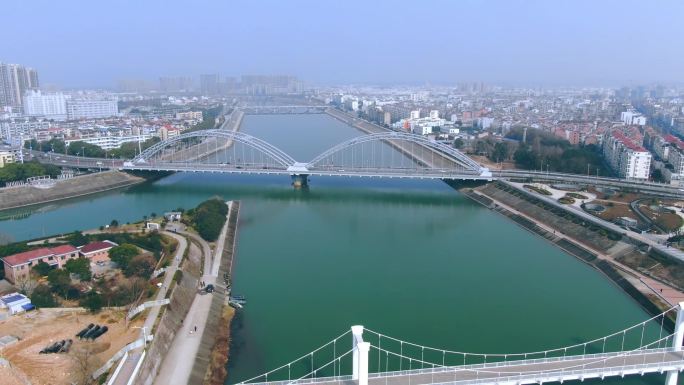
(17, 197)
(589, 244)
(212, 362)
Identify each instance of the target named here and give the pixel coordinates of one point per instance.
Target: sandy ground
(39, 329)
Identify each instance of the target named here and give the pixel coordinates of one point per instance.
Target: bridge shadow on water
(320, 189)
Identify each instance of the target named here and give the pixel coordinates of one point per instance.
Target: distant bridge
(389, 154)
(383, 360)
(267, 110)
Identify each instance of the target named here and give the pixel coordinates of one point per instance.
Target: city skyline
(509, 43)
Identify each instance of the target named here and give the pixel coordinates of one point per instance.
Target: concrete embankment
(210, 146)
(416, 152)
(559, 228)
(213, 353)
(16, 197)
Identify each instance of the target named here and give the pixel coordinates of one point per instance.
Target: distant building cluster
(217, 85)
(57, 106)
(669, 155)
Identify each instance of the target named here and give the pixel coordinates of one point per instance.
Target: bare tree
(26, 285)
(135, 288)
(85, 363)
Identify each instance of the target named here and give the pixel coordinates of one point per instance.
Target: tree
(209, 218)
(500, 152)
(123, 254)
(60, 282)
(81, 267)
(77, 238)
(41, 269)
(56, 145)
(92, 301)
(86, 362)
(81, 148)
(141, 266)
(459, 143)
(114, 223)
(42, 297)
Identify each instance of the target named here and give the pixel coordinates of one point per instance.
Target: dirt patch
(10, 376)
(216, 372)
(615, 210)
(660, 268)
(620, 197)
(39, 329)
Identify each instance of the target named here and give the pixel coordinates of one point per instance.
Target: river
(412, 259)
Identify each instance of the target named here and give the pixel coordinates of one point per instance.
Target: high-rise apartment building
(50, 106)
(175, 84)
(209, 84)
(15, 80)
(629, 159)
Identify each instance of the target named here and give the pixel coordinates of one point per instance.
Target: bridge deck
(524, 371)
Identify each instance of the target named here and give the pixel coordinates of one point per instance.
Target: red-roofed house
(18, 266)
(97, 251)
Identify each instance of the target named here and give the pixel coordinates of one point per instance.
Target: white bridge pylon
(374, 358)
(389, 154)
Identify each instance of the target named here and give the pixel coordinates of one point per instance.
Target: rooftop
(27, 256)
(97, 246)
(627, 142)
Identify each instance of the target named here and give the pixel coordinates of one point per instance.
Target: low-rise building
(109, 142)
(6, 157)
(16, 303)
(173, 216)
(18, 266)
(97, 251)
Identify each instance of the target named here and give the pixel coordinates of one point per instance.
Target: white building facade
(91, 109)
(109, 142)
(50, 106)
(627, 158)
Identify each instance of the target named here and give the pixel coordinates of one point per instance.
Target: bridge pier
(300, 180)
(677, 341)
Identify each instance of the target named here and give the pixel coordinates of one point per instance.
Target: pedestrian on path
(195, 327)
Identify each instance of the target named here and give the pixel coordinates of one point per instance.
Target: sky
(86, 43)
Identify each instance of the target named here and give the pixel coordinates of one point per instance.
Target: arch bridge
(388, 154)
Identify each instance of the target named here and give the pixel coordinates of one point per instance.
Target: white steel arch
(451, 153)
(260, 145)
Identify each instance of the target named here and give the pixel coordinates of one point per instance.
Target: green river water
(411, 259)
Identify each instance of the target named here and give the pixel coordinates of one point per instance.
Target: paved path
(180, 359)
(131, 362)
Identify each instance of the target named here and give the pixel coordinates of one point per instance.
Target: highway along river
(411, 259)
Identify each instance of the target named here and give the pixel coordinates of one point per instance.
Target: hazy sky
(594, 42)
